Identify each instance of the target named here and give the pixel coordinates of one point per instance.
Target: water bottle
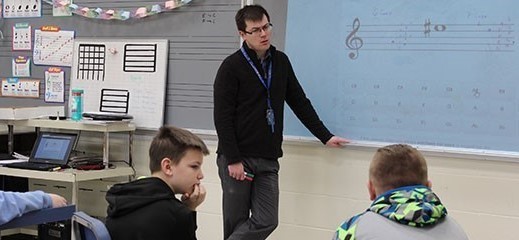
(76, 104)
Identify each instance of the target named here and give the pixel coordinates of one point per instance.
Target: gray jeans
(250, 209)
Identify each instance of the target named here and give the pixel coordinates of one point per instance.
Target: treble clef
(353, 42)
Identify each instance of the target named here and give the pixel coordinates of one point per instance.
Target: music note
(440, 28)
(353, 42)
(427, 28)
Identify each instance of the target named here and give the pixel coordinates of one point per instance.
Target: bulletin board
(138, 66)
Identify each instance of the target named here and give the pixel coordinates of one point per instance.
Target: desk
(71, 175)
(106, 127)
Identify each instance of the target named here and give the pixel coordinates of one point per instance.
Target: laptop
(50, 151)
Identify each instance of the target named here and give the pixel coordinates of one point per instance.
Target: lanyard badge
(271, 120)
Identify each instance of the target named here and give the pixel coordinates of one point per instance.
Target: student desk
(75, 176)
(71, 175)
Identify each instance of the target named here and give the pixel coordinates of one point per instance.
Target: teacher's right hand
(236, 171)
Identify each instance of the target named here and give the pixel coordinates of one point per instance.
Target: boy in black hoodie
(147, 208)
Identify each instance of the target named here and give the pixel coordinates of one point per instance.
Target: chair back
(41, 216)
(85, 227)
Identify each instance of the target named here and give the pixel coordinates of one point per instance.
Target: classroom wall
(320, 187)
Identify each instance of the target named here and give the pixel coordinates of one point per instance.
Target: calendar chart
(440, 73)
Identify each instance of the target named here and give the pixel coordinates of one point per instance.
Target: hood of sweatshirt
(416, 206)
(128, 197)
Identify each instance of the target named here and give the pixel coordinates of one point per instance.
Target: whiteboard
(440, 73)
(136, 65)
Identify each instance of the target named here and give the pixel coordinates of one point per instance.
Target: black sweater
(240, 104)
(147, 209)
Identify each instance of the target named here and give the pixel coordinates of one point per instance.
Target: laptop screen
(53, 148)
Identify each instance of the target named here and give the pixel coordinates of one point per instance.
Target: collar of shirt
(252, 54)
(265, 63)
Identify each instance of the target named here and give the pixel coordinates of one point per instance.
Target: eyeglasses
(257, 31)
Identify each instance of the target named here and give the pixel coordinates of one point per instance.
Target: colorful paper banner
(116, 14)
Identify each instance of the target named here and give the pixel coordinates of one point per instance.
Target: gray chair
(85, 227)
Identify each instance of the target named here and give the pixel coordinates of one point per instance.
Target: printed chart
(53, 47)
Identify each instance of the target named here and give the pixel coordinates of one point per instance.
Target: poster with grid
(91, 62)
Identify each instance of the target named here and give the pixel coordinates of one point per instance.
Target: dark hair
(396, 166)
(173, 143)
(250, 13)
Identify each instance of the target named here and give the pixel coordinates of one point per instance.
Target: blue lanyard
(267, 83)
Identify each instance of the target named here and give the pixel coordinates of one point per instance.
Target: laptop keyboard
(32, 166)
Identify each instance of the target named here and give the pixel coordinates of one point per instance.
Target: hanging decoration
(117, 14)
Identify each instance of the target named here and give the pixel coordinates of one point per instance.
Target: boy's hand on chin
(193, 200)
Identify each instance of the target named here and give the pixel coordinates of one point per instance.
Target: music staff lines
(450, 31)
(446, 44)
(449, 24)
(435, 50)
(460, 37)
(430, 36)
